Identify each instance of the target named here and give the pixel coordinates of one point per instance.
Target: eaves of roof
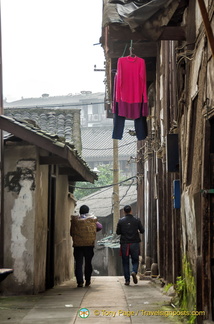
(143, 23)
(60, 153)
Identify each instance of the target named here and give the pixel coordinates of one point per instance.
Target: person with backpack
(129, 228)
(83, 231)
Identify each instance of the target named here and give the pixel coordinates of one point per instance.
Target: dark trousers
(83, 254)
(127, 250)
(140, 125)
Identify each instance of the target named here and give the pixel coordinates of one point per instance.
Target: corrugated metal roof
(112, 241)
(100, 202)
(97, 143)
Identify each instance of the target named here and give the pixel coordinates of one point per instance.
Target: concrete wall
(26, 218)
(19, 216)
(107, 261)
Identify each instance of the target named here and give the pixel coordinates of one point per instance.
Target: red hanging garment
(131, 90)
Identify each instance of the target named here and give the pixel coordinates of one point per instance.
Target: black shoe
(134, 277)
(87, 283)
(80, 285)
(127, 283)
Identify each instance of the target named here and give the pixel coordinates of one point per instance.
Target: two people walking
(83, 231)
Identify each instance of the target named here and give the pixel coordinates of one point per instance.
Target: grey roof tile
(54, 122)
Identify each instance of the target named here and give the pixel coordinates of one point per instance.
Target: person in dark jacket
(129, 228)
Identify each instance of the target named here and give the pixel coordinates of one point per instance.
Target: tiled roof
(97, 143)
(51, 143)
(64, 122)
(100, 202)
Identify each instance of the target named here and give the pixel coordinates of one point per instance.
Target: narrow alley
(108, 299)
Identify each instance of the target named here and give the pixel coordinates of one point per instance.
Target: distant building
(55, 115)
(90, 104)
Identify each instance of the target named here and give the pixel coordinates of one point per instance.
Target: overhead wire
(106, 186)
(107, 148)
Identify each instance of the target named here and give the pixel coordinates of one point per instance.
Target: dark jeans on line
(133, 251)
(140, 125)
(83, 253)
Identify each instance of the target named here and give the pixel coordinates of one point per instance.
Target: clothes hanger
(131, 50)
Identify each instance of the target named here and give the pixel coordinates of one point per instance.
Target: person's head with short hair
(127, 209)
(84, 209)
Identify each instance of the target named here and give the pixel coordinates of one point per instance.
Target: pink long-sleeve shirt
(131, 89)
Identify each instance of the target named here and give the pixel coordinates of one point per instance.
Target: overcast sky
(47, 47)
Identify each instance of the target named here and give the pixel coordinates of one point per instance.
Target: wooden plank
(124, 34)
(53, 159)
(141, 49)
(173, 33)
(207, 24)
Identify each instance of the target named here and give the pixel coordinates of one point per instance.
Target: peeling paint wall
(26, 222)
(19, 199)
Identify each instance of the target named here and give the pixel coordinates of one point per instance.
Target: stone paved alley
(108, 299)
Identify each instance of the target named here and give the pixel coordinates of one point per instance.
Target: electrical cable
(107, 148)
(107, 186)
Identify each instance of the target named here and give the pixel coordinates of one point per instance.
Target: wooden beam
(207, 24)
(173, 33)
(66, 170)
(124, 34)
(141, 49)
(52, 159)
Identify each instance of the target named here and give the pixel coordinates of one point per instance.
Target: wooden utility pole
(116, 203)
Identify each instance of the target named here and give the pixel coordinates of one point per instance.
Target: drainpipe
(1, 163)
(207, 24)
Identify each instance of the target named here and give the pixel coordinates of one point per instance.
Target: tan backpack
(83, 230)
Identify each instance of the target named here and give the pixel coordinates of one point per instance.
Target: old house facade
(40, 171)
(175, 162)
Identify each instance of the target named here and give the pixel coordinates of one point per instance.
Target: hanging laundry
(130, 96)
